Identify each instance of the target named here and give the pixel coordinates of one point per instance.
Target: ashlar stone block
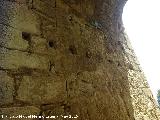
(14, 59)
(18, 16)
(42, 89)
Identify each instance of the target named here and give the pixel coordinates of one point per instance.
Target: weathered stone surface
(42, 89)
(71, 57)
(45, 7)
(90, 89)
(6, 88)
(39, 45)
(20, 112)
(18, 16)
(14, 59)
(142, 97)
(12, 39)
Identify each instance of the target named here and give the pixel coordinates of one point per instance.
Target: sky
(141, 19)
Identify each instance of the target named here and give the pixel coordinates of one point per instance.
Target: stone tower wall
(70, 57)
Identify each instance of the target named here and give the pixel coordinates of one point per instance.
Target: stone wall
(70, 57)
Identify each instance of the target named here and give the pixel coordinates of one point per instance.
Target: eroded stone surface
(70, 57)
(39, 89)
(10, 40)
(18, 16)
(14, 59)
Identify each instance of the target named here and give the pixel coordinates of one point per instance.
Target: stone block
(12, 38)
(18, 16)
(39, 45)
(14, 59)
(42, 89)
(6, 88)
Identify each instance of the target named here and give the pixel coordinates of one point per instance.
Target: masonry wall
(70, 57)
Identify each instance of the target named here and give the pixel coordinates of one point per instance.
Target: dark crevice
(55, 3)
(119, 64)
(70, 18)
(26, 36)
(66, 87)
(52, 44)
(110, 61)
(13, 49)
(73, 49)
(88, 54)
(26, 51)
(51, 65)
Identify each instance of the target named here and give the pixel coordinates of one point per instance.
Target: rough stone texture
(42, 89)
(70, 57)
(6, 88)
